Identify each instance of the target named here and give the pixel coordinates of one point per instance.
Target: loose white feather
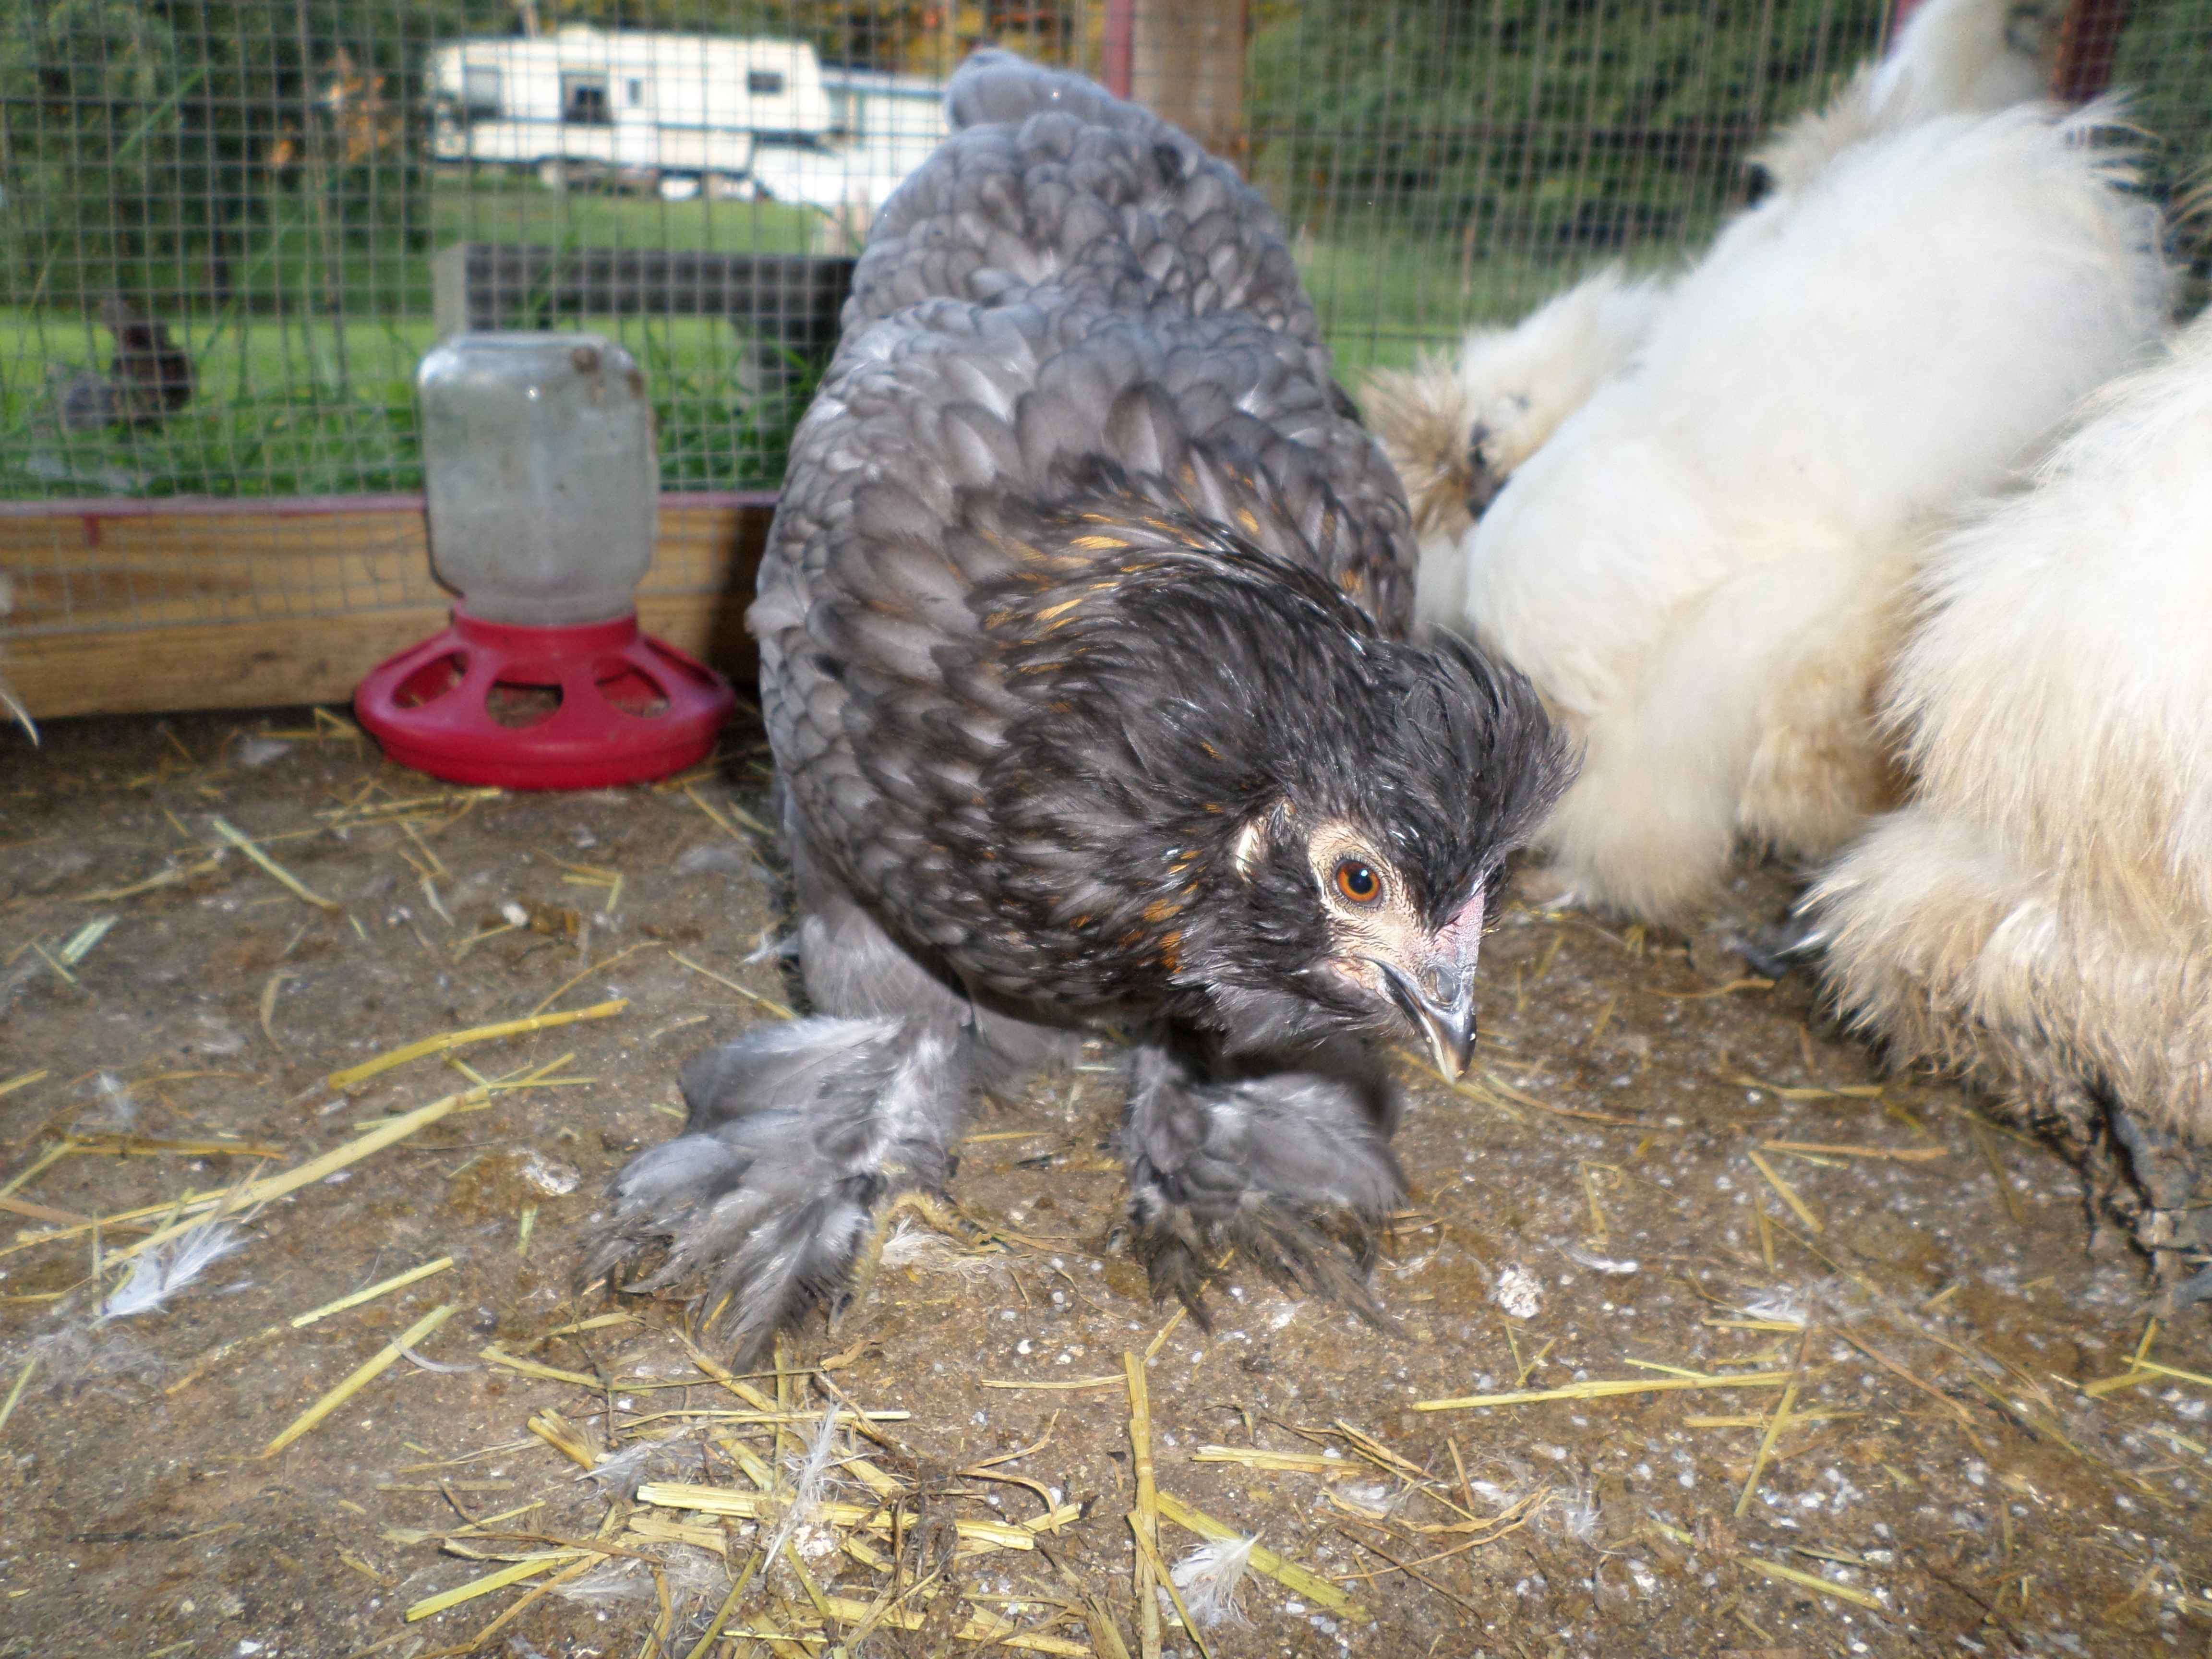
(159, 1272)
(809, 1477)
(1209, 1578)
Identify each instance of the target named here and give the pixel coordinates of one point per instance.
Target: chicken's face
(1379, 943)
(1364, 866)
(1226, 793)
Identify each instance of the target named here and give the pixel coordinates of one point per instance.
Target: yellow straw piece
(1775, 1425)
(1786, 1192)
(754, 1505)
(2157, 1370)
(532, 1368)
(22, 1380)
(383, 1288)
(1813, 1581)
(365, 1373)
(766, 1005)
(1289, 1574)
(1899, 1154)
(446, 1040)
(284, 878)
(1278, 1463)
(488, 1582)
(1608, 1388)
(276, 1186)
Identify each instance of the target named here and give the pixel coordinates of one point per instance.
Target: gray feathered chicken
(1082, 655)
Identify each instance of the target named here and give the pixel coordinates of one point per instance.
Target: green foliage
(2165, 63)
(93, 92)
(273, 417)
(155, 147)
(1537, 126)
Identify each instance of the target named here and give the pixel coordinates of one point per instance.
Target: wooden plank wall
(134, 607)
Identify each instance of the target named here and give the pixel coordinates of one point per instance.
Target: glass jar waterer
(541, 485)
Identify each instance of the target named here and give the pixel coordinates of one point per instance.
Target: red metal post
(2088, 40)
(1119, 45)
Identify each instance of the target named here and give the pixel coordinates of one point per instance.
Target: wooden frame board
(135, 607)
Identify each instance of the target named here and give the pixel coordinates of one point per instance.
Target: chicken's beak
(1444, 1014)
(1483, 481)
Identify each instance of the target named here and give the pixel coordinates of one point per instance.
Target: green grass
(1382, 302)
(287, 406)
(275, 416)
(497, 207)
(301, 404)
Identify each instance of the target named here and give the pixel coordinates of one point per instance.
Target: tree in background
(183, 152)
(1532, 125)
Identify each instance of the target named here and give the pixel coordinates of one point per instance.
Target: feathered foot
(798, 1132)
(1291, 1171)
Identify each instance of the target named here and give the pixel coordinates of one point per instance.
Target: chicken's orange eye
(1358, 882)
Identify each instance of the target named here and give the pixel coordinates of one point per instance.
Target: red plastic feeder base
(544, 708)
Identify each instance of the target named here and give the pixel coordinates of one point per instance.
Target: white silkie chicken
(2039, 914)
(1952, 58)
(1703, 570)
(1457, 425)
(1456, 428)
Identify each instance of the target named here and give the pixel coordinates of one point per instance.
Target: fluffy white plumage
(1209, 1578)
(1703, 570)
(1456, 428)
(160, 1272)
(2040, 913)
(1952, 58)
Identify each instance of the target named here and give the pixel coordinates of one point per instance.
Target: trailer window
(481, 93)
(584, 100)
(765, 83)
(635, 93)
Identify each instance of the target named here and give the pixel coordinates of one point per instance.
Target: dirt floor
(1867, 1421)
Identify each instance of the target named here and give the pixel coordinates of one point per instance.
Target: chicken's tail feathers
(798, 1130)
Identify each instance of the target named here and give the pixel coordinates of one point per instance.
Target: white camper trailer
(882, 127)
(674, 105)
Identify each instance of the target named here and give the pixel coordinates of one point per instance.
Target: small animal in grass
(148, 379)
(1084, 660)
(2039, 914)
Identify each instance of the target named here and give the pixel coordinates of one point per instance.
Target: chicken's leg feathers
(1291, 1171)
(798, 1130)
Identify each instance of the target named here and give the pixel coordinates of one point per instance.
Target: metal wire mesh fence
(231, 228)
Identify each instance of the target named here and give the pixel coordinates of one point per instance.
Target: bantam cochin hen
(1704, 571)
(1083, 661)
(2039, 915)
